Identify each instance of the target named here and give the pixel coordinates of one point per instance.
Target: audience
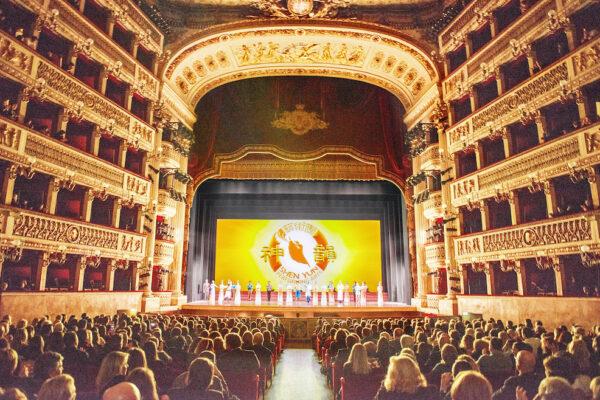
(404, 381)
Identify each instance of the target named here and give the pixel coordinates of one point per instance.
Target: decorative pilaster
(80, 266)
(42, 271)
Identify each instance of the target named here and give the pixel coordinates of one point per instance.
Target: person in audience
(235, 359)
(383, 351)
(13, 394)
(262, 353)
(143, 379)
(449, 355)
(527, 378)
(551, 388)
(404, 381)
(471, 385)
(112, 371)
(358, 362)
(595, 388)
(495, 362)
(48, 365)
(200, 376)
(122, 391)
(137, 358)
(60, 387)
(9, 360)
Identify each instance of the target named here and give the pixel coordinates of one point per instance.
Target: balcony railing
(164, 253)
(557, 236)
(55, 158)
(540, 163)
(432, 207)
(166, 206)
(435, 255)
(42, 232)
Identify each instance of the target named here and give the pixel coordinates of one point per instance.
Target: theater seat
(244, 385)
(360, 388)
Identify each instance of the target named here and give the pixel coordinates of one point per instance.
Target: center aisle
(298, 377)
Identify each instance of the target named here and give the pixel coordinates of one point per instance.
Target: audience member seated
(122, 391)
(235, 359)
(527, 378)
(471, 385)
(404, 381)
(60, 387)
(199, 379)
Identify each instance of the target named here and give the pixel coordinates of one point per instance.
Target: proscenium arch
(352, 50)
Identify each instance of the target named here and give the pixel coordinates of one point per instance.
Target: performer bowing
(212, 295)
(237, 297)
(379, 295)
(221, 293)
(257, 294)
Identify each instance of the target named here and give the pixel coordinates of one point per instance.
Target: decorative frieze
(433, 206)
(166, 205)
(562, 235)
(38, 231)
(435, 255)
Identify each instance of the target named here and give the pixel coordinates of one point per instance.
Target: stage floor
(301, 310)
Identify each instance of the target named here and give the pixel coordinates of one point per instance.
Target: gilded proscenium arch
(325, 163)
(345, 49)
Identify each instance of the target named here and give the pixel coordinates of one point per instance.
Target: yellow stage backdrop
(298, 251)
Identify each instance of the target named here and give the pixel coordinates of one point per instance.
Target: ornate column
(135, 275)
(8, 184)
(95, 144)
(478, 154)
(559, 275)
(550, 194)
(52, 195)
(515, 210)
(109, 277)
(521, 277)
(485, 215)
(116, 213)
(122, 154)
(463, 275)
(41, 271)
(88, 200)
(489, 278)
(80, 266)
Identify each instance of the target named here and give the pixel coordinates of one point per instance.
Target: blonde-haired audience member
(61, 387)
(471, 385)
(404, 381)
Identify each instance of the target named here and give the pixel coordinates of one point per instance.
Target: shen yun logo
(298, 252)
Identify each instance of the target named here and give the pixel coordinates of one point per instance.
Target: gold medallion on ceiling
(300, 7)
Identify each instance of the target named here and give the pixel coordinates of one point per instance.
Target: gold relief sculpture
(416, 88)
(299, 121)
(587, 58)
(299, 53)
(222, 59)
(410, 77)
(182, 85)
(9, 136)
(592, 141)
(464, 188)
(210, 63)
(377, 59)
(199, 68)
(389, 64)
(400, 69)
(17, 58)
(189, 75)
(136, 185)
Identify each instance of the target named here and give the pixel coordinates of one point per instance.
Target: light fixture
(59, 256)
(528, 116)
(577, 175)
(101, 194)
(13, 250)
(589, 258)
(503, 194)
(567, 93)
(544, 262)
(93, 260)
(508, 265)
(537, 185)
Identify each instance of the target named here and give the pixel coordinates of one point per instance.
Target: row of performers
(330, 295)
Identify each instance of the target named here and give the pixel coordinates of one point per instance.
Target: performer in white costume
(279, 295)
(324, 296)
(237, 300)
(221, 293)
(228, 290)
(258, 294)
(289, 300)
(363, 294)
(330, 291)
(211, 297)
(340, 292)
(379, 295)
(346, 294)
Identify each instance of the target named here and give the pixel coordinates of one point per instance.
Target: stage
(301, 310)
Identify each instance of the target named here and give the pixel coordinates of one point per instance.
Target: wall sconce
(508, 265)
(25, 170)
(12, 251)
(115, 69)
(108, 128)
(84, 46)
(473, 203)
(48, 20)
(59, 256)
(517, 49)
(536, 185)
(555, 22)
(129, 202)
(93, 260)
(567, 93)
(580, 174)
(122, 264)
(478, 266)
(528, 116)
(101, 194)
(135, 143)
(543, 262)
(495, 132)
(503, 194)
(75, 113)
(35, 92)
(589, 258)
